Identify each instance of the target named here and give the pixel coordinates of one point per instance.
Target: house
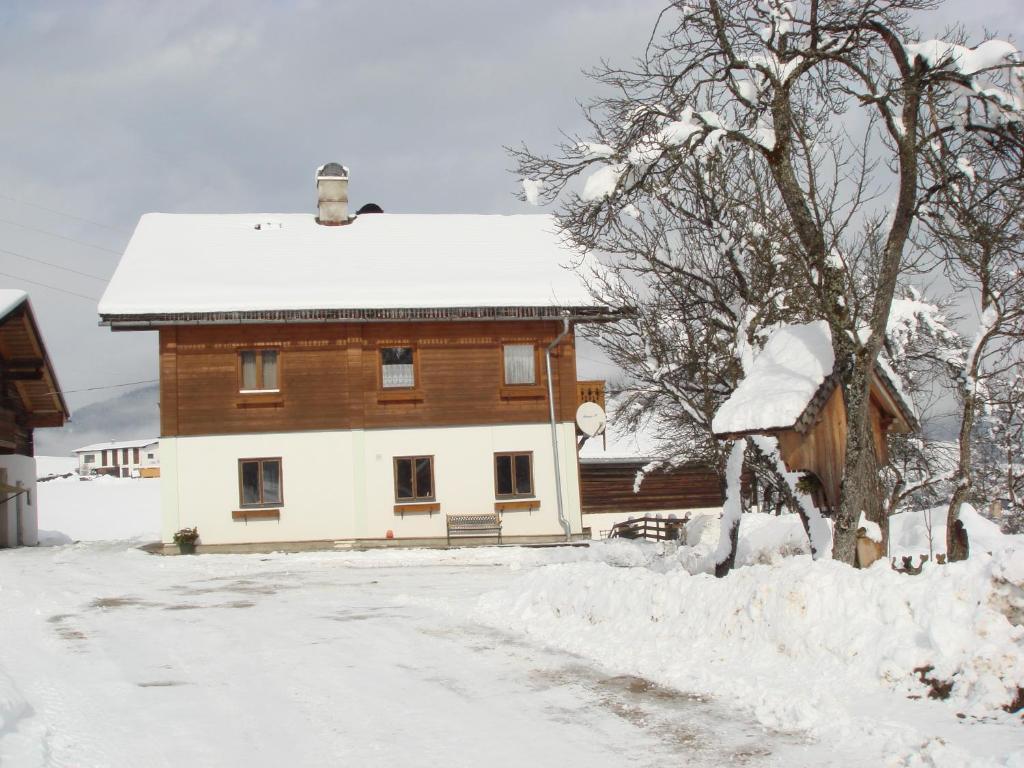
(359, 377)
(615, 487)
(31, 397)
(120, 458)
(790, 392)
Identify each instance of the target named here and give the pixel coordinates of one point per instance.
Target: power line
(60, 237)
(64, 214)
(55, 266)
(105, 386)
(51, 287)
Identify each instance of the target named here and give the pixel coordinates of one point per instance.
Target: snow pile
(763, 539)
(106, 508)
(795, 643)
(54, 466)
(22, 737)
(908, 533)
(781, 382)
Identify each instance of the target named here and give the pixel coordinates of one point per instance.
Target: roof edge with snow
(400, 314)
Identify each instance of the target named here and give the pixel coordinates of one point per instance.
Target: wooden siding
(608, 487)
(329, 377)
(822, 450)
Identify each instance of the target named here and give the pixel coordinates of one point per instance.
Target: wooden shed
(791, 393)
(30, 397)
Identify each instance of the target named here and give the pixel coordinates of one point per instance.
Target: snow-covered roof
(793, 369)
(201, 263)
(781, 382)
(619, 444)
(10, 299)
(114, 445)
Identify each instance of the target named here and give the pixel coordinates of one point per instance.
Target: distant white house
(121, 458)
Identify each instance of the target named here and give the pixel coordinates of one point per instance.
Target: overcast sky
(116, 108)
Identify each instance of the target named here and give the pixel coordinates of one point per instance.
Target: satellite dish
(591, 419)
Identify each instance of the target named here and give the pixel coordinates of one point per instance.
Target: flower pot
(187, 547)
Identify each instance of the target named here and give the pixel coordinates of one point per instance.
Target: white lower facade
(19, 520)
(341, 484)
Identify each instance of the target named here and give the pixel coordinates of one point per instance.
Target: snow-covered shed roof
(114, 445)
(273, 266)
(790, 380)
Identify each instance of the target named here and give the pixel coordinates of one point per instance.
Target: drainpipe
(554, 427)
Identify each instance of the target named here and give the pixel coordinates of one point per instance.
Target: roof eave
(146, 321)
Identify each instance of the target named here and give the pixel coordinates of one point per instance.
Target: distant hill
(133, 414)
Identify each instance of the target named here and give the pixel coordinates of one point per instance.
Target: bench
(473, 525)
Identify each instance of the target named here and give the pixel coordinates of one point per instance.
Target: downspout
(554, 428)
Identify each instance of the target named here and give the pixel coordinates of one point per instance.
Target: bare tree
(977, 226)
(786, 84)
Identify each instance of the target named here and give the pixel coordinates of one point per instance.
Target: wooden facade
(329, 377)
(821, 450)
(816, 443)
(607, 486)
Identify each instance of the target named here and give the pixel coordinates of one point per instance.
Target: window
(513, 474)
(414, 478)
(259, 482)
(89, 458)
(396, 368)
(150, 456)
(258, 370)
(520, 361)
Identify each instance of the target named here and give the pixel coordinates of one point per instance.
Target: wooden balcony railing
(590, 392)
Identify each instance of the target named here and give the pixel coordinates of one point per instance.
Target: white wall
(144, 460)
(340, 485)
(83, 467)
(21, 518)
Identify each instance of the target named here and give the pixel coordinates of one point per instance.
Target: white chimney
(332, 194)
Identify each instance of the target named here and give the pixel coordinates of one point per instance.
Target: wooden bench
(473, 525)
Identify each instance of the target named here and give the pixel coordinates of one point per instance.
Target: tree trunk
(956, 536)
(859, 492)
(729, 536)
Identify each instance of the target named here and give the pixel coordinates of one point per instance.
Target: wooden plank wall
(329, 377)
(608, 487)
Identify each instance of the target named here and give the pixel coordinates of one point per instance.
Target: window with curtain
(414, 478)
(259, 482)
(513, 474)
(397, 367)
(520, 360)
(259, 370)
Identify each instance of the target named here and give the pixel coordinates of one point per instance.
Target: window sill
(259, 391)
(260, 403)
(517, 505)
(522, 392)
(245, 515)
(429, 507)
(400, 396)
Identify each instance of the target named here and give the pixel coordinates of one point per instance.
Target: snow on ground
(807, 647)
(113, 657)
(48, 466)
(610, 655)
(102, 509)
(909, 535)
